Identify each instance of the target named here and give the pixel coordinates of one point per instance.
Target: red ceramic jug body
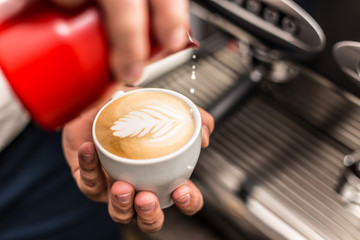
(56, 61)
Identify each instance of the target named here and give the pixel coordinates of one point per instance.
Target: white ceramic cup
(161, 175)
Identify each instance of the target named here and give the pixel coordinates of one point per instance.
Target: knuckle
(90, 180)
(93, 180)
(90, 168)
(133, 52)
(93, 192)
(121, 219)
(150, 229)
(190, 212)
(192, 209)
(151, 224)
(121, 215)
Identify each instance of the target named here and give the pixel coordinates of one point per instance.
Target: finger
(150, 217)
(128, 30)
(121, 204)
(188, 198)
(170, 23)
(208, 125)
(69, 3)
(91, 178)
(10, 8)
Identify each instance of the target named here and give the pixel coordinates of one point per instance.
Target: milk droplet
(193, 76)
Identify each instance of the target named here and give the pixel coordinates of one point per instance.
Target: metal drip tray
(275, 162)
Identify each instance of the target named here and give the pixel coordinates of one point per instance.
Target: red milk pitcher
(56, 61)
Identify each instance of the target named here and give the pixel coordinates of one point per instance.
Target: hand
(127, 23)
(122, 201)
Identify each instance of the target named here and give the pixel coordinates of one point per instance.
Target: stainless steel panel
(274, 164)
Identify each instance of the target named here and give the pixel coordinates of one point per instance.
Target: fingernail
(124, 198)
(134, 72)
(148, 207)
(206, 130)
(87, 158)
(184, 200)
(205, 136)
(178, 38)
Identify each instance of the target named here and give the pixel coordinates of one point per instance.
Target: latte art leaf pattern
(160, 121)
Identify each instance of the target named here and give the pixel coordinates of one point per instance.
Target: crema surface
(144, 125)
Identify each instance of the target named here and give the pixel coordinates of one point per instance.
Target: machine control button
(290, 25)
(254, 6)
(271, 15)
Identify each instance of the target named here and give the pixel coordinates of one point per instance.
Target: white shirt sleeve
(13, 117)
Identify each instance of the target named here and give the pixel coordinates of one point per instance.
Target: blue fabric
(39, 198)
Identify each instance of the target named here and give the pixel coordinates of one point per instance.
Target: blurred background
(283, 160)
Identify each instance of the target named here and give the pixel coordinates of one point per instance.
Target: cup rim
(186, 100)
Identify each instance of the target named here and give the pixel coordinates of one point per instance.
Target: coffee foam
(145, 125)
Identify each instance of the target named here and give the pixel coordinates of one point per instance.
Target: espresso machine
(281, 79)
